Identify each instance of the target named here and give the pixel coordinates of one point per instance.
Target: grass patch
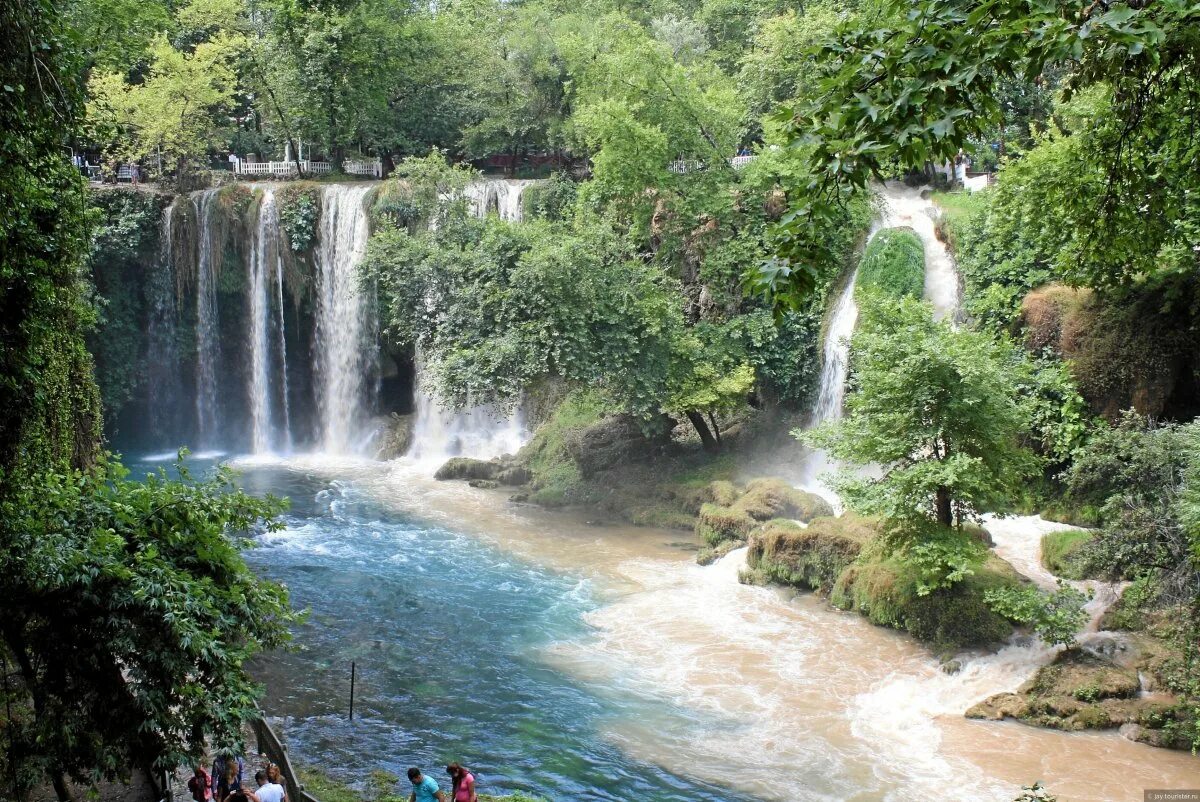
(324, 787)
(894, 263)
(1061, 552)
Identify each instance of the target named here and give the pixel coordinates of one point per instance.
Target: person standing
(462, 788)
(425, 789)
(200, 785)
(269, 789)
(220, 770)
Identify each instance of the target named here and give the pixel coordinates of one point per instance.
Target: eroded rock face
(614, 441)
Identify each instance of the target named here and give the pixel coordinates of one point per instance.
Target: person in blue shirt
(425, 789)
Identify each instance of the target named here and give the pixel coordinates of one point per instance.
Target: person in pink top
(463, 783)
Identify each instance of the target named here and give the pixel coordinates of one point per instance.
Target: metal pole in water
(352, 690)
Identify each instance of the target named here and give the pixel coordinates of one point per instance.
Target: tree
(926, 82)
(177, 110)
(130, 614)
(935, 409)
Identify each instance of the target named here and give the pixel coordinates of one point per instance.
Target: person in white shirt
(268, 791)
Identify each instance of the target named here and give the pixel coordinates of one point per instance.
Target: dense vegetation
(128, 612)
(651, 283)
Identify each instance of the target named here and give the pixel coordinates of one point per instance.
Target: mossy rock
(885, 591)
(710, 554)
(1078, 691)
(811, 557)
(765, 499)
(468, 468)
(1061, 552)
(721, 492)
(716, 524)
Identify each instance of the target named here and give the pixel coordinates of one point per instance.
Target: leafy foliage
(935, 408)
(1056, 617)
(917, 84)
(49, 410)
(893, 264)
(130, 614)
(299, 214)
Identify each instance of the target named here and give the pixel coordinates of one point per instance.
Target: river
(600, 663)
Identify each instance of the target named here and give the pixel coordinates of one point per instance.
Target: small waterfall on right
(900, 205)
(835, 368)
(481, 431)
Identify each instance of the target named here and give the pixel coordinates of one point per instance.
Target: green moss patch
(893, 264)
(811, 557)
(1061, 552)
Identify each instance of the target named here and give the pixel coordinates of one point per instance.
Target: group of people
(225, 783)
(425, 789)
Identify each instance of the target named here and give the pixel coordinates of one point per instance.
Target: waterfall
(481, 431)
(263, 267)
(344, 344)
(906, 207)
(901, 206)
(207, 320)
(281, 353)
(499, 196)
(165, 388)
(831, 392)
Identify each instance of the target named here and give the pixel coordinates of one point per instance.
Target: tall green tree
(935, 409)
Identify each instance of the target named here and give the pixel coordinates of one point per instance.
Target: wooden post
(352, 690)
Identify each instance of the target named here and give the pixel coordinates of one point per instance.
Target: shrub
(299, 213)
(894, 263)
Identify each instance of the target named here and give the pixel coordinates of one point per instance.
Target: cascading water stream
(345, 326)
(477, 430)
(207, 320)
(285, 388)
(263, 257)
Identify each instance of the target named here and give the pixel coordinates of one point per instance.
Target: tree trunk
(945, 515)
(706, 436)
(387, 163)
(60, 787)
(716, 428)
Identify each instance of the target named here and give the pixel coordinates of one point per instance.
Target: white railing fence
(688, 165)
(371, 167)
(367, 167)
(282, 168)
